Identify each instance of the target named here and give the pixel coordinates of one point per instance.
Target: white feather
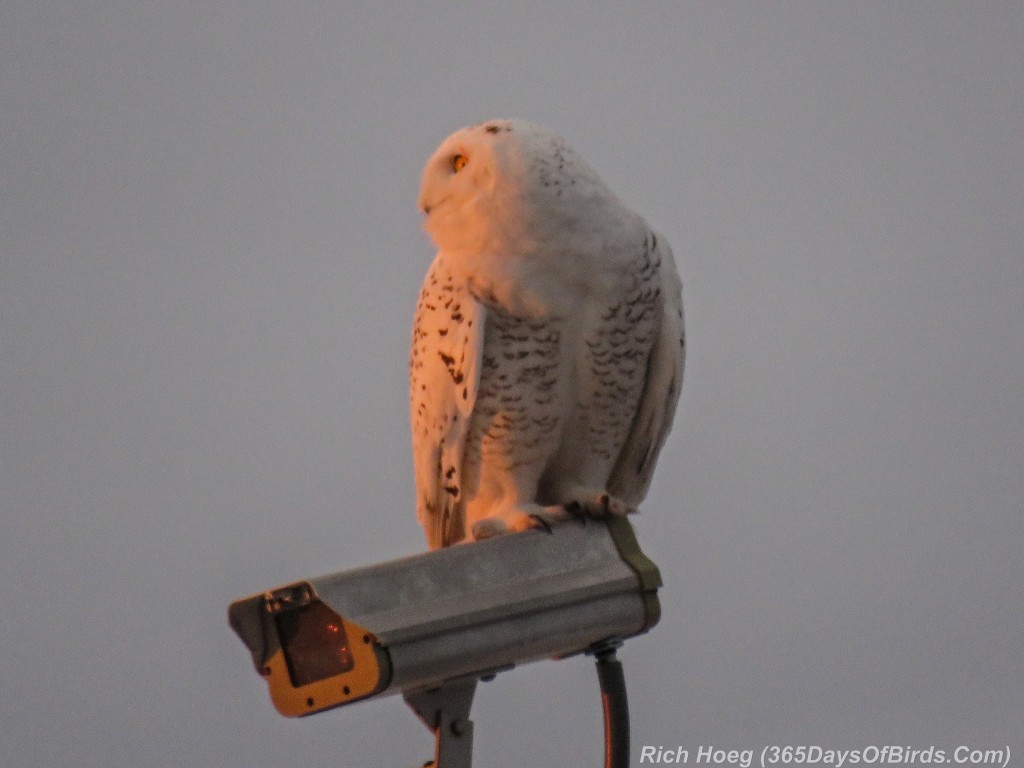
(547, 346)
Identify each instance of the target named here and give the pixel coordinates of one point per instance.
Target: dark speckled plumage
(546, 352)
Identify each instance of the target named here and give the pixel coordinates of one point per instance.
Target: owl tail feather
(444, 528)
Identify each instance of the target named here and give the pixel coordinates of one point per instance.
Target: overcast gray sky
(209, 258)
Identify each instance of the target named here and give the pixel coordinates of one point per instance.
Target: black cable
(616, 709)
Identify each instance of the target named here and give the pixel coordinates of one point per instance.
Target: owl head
(507, 186)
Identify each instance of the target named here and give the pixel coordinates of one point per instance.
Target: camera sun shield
(468, 610)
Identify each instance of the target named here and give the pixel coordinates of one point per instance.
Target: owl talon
(576, 510)
(501, 525)
(541, 523)
(600, 507)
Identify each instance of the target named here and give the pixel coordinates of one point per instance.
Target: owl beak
(427, 206)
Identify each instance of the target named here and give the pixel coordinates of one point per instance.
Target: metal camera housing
(464, 612)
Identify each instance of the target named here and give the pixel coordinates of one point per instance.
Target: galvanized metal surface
(481, 606)
(468, 584)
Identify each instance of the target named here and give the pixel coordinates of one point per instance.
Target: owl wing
(447, 347)
(634, 467)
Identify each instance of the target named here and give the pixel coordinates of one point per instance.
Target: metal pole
(616, 709)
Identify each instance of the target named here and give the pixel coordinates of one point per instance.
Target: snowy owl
(547, 346)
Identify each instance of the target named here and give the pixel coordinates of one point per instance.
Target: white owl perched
(547, 347)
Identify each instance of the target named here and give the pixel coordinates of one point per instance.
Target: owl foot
(602, 506)
(509, 522)
(541, 523)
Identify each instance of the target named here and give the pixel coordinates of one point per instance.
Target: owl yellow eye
(458, 162)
